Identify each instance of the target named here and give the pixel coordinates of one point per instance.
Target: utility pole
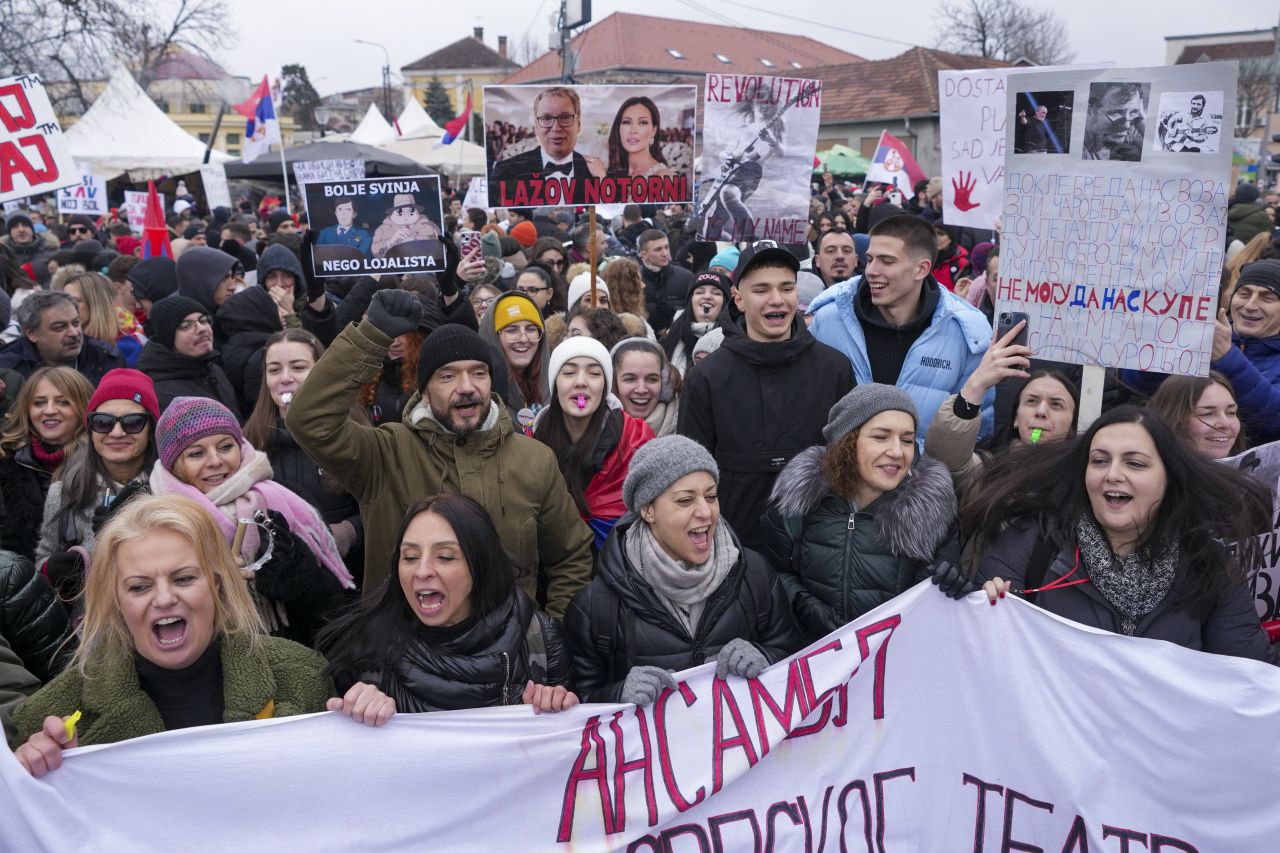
(566, 65)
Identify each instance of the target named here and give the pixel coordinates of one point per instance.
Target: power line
(533, 21)
(822, 24)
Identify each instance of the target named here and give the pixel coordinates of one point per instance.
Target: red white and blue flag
(454, 128)
(893, 164)
(262, 128)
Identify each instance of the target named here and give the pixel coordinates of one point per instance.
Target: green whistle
(1035, 435)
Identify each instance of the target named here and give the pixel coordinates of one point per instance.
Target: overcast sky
(1126, 32)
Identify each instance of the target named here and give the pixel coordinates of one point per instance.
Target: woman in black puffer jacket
(450, 629)
(853, 524)
(674, 587)
(31, 618)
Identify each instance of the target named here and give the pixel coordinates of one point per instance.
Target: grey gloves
(738, 657)
(644, 683)
(953, 582)
(395, 312)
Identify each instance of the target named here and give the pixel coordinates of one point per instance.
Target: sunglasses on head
(132, 423)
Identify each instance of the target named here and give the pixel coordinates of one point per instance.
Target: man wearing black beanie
(456, 436)
(179, 356)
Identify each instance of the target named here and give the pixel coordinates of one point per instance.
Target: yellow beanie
(512, 308)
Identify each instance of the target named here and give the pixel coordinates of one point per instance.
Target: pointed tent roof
(124, 131)
(414, 121)
(373, 128)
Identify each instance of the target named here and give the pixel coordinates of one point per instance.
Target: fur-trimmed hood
(913, 519)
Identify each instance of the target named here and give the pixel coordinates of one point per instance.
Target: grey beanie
(658, 464)
(861, 405)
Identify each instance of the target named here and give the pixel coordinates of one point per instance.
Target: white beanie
(581, 286)
(581, 345)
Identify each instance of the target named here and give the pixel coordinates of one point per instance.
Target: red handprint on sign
(963, 186)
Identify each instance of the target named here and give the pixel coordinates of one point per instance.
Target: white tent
(458, 158)
(124, 131)
(373, 129)
(414, 120)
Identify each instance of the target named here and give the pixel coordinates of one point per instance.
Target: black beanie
(451, 342)
(167, 313)
(1261, 274)
(1246, 193)
(274, 220)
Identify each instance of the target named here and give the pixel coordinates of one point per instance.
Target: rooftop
(1225, 50)
(467, 52)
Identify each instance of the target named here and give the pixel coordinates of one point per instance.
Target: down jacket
(277, 678)
(31, 617)
(838, 561)
(618, 622)
(487, 666)
(177, 375)
(24, 483)
(1230, 628)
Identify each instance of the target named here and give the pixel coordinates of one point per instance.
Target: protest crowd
(234, 489)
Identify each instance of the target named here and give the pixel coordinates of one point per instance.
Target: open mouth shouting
(1116, 500)
(170, 632)
(430, 601)
(467, 408)
(701, 538)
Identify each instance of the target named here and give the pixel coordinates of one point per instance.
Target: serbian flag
(893, 164)
(155, 234)
(453, 129)
(262, 128)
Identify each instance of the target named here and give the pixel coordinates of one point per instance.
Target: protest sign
(971, 118)
(135, 209)
(477, 193)
(758, 138)
(379, 225)
(1019, 731)
(88, 197)
(35, 157)
(1112, 241)
(1263, 464)
(216, 191)
(318, 171)
(600, 145)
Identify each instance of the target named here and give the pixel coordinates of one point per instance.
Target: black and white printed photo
(1189, 122)
(1116, 121)
(1043, 123)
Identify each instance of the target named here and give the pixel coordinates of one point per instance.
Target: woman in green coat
(171, 639)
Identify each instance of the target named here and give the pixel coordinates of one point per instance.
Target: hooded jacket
(32, 618)
(1247, 220)
(278, 678)
(200, 271)
(755, 406)
(324, 323)
(154, 278)
(177, 375)
(1231, 626)
(618, 621)
(247, 319)
(839, 561)
(24, 483)
(280, 258)
(390, 467)
(681, 336)
(936, 365)
(26, 252)
(665, 292)
(95, 359)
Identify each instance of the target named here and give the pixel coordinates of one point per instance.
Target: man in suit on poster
(557, 121)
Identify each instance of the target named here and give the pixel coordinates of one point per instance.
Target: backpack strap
(606, 617)
(1041, 557)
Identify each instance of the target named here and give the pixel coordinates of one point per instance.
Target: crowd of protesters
(230, 489)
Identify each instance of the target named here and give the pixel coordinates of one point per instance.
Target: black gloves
(816, 617)
(447, 278)
(953, 582)
(315, 286)
(395, 312)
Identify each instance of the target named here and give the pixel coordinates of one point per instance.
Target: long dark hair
(1203, 502)
(577, 459)
(1178, 397)
(372, 635)
(260, 428)
(619, 162)
(1007, 432)
(560, 293)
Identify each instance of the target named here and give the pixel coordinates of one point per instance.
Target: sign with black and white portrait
(1189, 122)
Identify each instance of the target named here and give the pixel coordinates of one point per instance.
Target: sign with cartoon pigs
(376, 225)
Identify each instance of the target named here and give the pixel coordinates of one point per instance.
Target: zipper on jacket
(844, 574)
(506, 676)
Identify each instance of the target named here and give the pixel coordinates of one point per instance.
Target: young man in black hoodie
(765, 394)
(180, 357)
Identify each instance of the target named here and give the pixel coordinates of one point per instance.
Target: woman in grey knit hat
(852, 524)
(674, 587)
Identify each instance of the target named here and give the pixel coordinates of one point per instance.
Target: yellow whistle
(70, 723)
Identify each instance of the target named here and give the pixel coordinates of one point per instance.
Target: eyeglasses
(511, 333)
(133, 423)
(560, 264)
(532, 291)
(188, 325)
(564, 120)
(482, 302)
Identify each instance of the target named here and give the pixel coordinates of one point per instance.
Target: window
(197, 107)
(233, 139)
(766, 63)
(234, 152)
(675, 53)
(795, 64)
(204, 137)
(724, 59)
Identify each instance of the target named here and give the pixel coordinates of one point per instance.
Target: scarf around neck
(49, 459)
(1135, 583)
(682, 587)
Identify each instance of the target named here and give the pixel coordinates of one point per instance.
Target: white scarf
(683, 587)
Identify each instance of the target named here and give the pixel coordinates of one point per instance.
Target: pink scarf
(249, 490)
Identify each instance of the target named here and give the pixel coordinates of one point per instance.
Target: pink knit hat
(189, 419)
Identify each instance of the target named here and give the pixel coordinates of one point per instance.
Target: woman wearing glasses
(180, 358)
(551, 253)
(538, 283)
(514, 325)
(121, 448)
(481, 296)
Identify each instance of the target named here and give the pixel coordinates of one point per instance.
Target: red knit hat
(125, 384)
(525, 233)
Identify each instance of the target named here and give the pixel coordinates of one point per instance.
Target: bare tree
(1256, 84)
(1002, 29)
(526, 50)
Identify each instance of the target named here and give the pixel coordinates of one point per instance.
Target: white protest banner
(378, 225)
(759, 135)
(88, 197)
(35, 157)
(1112, 241)
(926, 725)
(317, 171)
(1263, 464)
(971, 117)
(135, 209)
(216, 191)
(600, 144)
(477, 193)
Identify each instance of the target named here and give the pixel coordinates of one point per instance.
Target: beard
(455, 425)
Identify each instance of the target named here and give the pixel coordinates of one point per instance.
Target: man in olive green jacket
(456, 436)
